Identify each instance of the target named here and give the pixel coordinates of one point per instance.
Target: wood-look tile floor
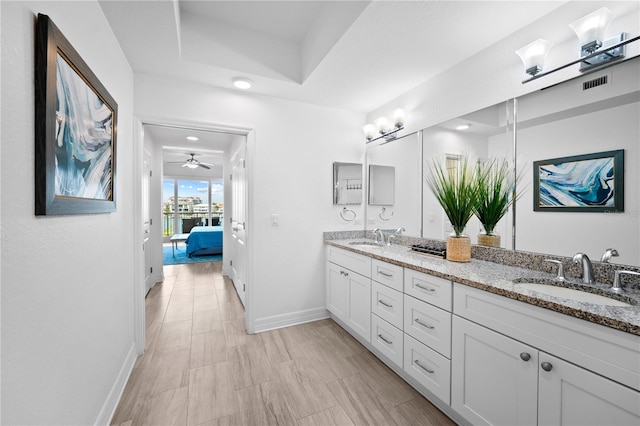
(201, 368)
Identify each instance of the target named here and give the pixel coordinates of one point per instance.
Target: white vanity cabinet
(497, 379)
(348, 290)
(387, 307)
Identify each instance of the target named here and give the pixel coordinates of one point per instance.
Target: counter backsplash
(603, 272)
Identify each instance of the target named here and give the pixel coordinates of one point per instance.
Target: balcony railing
(186, 220)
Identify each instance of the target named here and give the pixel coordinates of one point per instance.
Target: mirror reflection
(403, 156)
(382, 185)
(347, 183)
(589, 114)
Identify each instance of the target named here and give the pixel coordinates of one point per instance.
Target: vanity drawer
(353, 261)
(434, 290)
(387, 274)
(429, 368)
(387, 303)
(387, 339)
(428, 324)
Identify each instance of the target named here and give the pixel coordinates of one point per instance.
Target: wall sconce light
(533, 55)
(384, 127)
(595, 52)
(590, 30)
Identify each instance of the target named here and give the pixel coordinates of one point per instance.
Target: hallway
(200, 367)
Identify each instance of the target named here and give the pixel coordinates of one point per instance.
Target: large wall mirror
(593, 113)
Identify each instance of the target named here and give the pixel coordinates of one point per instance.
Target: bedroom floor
(200, 367)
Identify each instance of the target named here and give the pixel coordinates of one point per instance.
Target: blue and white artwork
(584, 183)
(83, 138)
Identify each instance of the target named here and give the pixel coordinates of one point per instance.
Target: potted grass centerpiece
(456, 191)
(496, 182)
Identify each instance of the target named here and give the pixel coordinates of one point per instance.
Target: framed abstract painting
(75, 130)
(581, 183)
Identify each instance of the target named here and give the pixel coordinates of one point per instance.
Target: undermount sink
(571, 294)
(365, 243)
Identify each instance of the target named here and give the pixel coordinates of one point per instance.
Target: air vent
(595, 82)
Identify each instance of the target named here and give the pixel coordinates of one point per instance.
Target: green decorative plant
(495, 182)
(455, 189)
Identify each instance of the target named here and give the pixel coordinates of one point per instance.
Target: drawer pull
(424, 324)
(385, 340)
(428, 370)
(546, 366)
(386, 274)
(344, 273)
(382, 302)
(420, 286)
(525, 356)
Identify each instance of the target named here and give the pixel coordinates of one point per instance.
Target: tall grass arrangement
(495, 182)
(455, 190)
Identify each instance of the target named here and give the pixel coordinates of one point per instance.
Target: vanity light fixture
(242, 83)
(595, 52)
(533, 55)
(384, 127)
(591, 30)
(192, 138)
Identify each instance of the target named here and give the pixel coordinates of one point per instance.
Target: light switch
(275, 219)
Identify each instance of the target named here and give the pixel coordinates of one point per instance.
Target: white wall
(290, 174)
(67, 282)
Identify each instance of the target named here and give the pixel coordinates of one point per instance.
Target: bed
(204, 240)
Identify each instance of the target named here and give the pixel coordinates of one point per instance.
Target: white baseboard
(289, 319)
(111, 403)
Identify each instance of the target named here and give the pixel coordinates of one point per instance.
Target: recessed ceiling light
(463, 127)
(192, 138)
(242, 83)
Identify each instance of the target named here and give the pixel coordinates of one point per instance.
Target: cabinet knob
(525, 356)
(546, 366)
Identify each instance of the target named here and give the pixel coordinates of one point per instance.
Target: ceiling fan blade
(202, 165)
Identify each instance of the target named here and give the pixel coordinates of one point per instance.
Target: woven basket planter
(459, 249)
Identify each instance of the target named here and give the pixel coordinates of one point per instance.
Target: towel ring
(384, 209)
(347, 211)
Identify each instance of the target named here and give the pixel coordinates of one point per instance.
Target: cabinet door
(336, 291)
(493, 377)
(570, 395)
(359, 305)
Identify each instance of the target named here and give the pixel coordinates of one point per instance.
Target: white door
(238, 262)
(570, 395)
(493, 377)
(146, 222)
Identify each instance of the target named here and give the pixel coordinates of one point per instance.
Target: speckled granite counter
(499, 279)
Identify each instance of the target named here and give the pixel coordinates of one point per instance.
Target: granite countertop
(499, 279)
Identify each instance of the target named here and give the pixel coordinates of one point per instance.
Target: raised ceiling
(354, 55)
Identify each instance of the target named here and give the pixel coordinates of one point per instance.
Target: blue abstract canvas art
(76, 126)
(591, 182)
(83, 138)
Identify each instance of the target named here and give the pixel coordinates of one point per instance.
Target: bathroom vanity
(483, 347)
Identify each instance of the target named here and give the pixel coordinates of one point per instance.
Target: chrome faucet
(400, 230)
(617, 284)
(608, 253)
(587, 268)
(378, 233)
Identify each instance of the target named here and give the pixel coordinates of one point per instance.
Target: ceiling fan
(192, 163)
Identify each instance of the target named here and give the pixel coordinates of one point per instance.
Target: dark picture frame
(581, 183)
(75, 130)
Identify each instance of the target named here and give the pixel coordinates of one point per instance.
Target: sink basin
(572, 294)
(365, 243)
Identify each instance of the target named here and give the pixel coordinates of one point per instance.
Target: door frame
(139, 284)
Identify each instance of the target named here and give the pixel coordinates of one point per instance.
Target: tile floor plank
(200, 367)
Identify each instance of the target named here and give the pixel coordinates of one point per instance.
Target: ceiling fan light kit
(192, 163)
